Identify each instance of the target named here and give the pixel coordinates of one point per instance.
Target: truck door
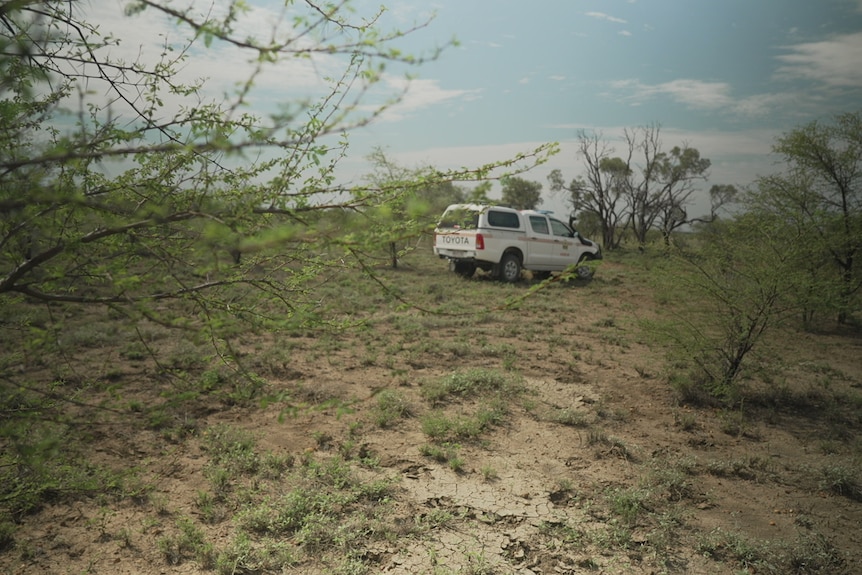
(541, 245)
(567, 247)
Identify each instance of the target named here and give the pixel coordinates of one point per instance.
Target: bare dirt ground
(596, 467)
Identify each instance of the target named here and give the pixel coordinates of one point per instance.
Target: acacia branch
(9, 283)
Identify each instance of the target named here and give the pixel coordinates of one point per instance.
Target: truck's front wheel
(510, 268)
(584, 272)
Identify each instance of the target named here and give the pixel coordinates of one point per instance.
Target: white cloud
(693, 93)
(762, 104)
(486, 44)
(557, 77)
(144, 36)
(455, 157)
(606, 17)
(833, 62)
(624, 33)
(223, 67)
(409, 13)
(419, 94)
(755, 143)
(700, 95)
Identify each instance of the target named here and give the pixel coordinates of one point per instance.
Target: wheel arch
(515, 251)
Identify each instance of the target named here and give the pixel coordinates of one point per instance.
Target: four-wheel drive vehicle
(504, 241)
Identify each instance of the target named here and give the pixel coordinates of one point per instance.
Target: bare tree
(645, 189)
(681, 170)
(662, 182)
(600, 191)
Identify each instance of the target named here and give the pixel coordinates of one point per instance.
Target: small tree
(729, 295)
(588, 224)
(416, 198)
(820, 195)
(479, 194)
(521, 194)
(162, 193)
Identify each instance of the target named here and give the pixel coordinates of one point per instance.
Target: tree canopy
(647, 188)
(819, 196)
(159, 190)
(520, 193)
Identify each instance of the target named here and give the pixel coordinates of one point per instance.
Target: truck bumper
(455, 254)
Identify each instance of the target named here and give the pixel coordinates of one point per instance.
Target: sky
(724, 76)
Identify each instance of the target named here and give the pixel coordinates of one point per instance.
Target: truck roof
(483, 207)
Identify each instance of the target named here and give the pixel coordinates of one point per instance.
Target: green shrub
(390, 407)
(472, 383)
(568, 416)
(231, 448)
(188, 543)
(845, 480)
(628, 503)
(7, 535)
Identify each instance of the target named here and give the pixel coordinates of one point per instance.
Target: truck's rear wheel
(510, 268)
(464, 269)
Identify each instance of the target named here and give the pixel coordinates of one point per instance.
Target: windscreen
(459, 219)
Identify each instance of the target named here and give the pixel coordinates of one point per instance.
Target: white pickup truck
(504, 241)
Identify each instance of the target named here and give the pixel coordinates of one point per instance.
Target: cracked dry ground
(629, 481)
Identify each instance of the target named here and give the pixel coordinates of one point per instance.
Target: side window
(503, 219)
(560, 229)
(539, 224)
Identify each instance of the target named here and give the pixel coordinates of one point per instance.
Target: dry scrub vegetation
(552, 436)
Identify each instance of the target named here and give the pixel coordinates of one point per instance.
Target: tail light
(480, 242)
